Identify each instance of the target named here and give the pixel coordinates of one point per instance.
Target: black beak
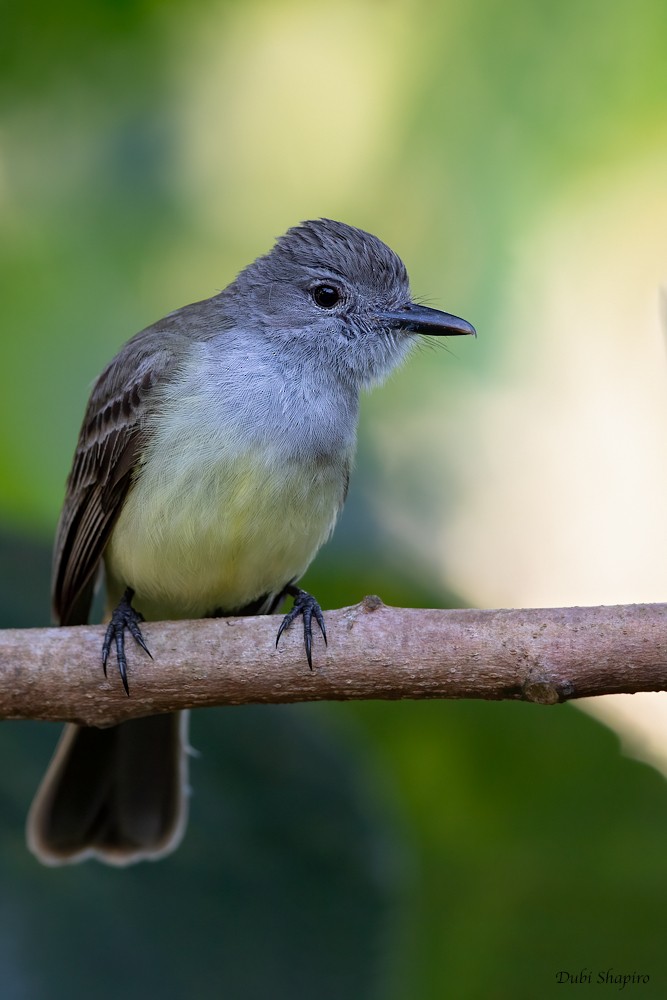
(421, 319)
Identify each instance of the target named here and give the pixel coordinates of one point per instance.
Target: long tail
(119, 795)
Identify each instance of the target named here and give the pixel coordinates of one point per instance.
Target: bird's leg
(123, 617)
(306, 605)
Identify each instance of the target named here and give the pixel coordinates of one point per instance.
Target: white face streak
(372, 358)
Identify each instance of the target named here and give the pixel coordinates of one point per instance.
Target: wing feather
(108, 453)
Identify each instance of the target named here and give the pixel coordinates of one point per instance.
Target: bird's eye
(325, 296)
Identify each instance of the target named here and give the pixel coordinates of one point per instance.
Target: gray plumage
(211, 465)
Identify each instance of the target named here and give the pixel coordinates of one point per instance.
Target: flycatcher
(212, 464)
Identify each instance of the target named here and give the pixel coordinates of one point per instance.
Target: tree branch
(539, 655)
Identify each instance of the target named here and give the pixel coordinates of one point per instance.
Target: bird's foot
(123, 617)
(305, 605)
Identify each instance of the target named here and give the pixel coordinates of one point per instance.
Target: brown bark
(540, 655)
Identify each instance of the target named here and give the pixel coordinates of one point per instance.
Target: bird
(212, 464)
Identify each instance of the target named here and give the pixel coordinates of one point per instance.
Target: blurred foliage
(389, 851)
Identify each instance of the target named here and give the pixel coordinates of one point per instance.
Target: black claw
(123, 617)
(305, 605)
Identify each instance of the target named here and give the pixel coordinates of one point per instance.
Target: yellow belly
(194, 539)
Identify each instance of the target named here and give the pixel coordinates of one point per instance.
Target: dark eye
(326, 296)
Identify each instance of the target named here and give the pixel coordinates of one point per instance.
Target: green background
(387, 851)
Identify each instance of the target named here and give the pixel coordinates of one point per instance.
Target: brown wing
(110, 446)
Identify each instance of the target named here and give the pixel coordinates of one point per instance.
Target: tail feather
(117, 794)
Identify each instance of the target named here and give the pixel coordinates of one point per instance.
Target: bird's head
(331, 294)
